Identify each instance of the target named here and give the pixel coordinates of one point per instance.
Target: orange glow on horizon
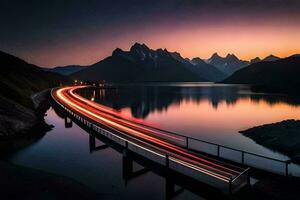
(247, 41)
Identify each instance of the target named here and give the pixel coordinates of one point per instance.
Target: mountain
(255, 60)
(228, 64)
(271, 58)
(209, 71)
(21, 112)
(142, 64)
(66, 70)
(296, 55)
(280, 75)
(19, 79)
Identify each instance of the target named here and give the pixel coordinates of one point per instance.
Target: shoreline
(17, 121)
(282, 136)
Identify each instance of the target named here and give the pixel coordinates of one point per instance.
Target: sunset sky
(55, 32)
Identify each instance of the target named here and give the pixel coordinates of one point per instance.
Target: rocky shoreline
(17, 121)
(20, 127)
(281, 136)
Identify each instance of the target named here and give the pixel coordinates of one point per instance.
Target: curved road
(148, 136)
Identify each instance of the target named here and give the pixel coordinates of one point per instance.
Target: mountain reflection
(145, 99)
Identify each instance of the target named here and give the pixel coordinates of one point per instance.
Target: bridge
(207, 163)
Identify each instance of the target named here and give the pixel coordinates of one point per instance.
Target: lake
(211, 112)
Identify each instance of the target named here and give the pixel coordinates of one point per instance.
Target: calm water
(206, 111)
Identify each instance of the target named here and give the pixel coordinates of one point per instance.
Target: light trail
(121, 119)
(110, 118)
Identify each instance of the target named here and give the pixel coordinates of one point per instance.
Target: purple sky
(52, 33)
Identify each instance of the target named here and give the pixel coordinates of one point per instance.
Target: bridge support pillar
(68, 122)
(92, 144)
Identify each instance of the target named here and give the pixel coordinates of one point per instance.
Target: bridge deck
(155, 144)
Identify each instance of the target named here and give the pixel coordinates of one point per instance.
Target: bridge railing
(228, 153)
(177, 164)
(239, 156)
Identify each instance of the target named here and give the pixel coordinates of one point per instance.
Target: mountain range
(142, 64)
(232, 63)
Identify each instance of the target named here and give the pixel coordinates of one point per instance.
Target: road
(135, 130)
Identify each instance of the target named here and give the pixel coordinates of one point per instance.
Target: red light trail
(138, 131)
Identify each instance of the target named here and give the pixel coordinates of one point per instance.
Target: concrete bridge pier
(128, 170)
(93, 146)
(170, 189)
(68, 122)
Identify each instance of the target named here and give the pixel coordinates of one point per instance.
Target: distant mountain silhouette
(296, 55)
(227, 65)
(142, 64)
(271, 58)
(209, 71)
(280, 75)
(66, 70)
(255, 60)
(19, 79)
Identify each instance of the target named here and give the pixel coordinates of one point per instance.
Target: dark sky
(61, 32)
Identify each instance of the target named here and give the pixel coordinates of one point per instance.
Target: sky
(52, 33)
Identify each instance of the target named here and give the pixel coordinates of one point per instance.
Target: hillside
(282, 74)
(66, 70)
(142, 64)
(19, 81)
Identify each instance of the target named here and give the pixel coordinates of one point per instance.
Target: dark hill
(66, 70)
(19, 79)
(282, 74)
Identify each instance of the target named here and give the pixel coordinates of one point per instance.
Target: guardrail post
(248, 179)
(167, 161)
(287, 168)
(125, 151)
(230, 185)
(218, 149)
(187, 142)
(243, 157)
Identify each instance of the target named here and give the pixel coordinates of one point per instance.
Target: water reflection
(212, 112)
(143, 100)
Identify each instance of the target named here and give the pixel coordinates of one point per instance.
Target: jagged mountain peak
(215, 55)
(231, 56)
(176, 55)
(139, 47)
(228, 64)
(117, 51)
(271, 58)
(197, 59)
(255, 60)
